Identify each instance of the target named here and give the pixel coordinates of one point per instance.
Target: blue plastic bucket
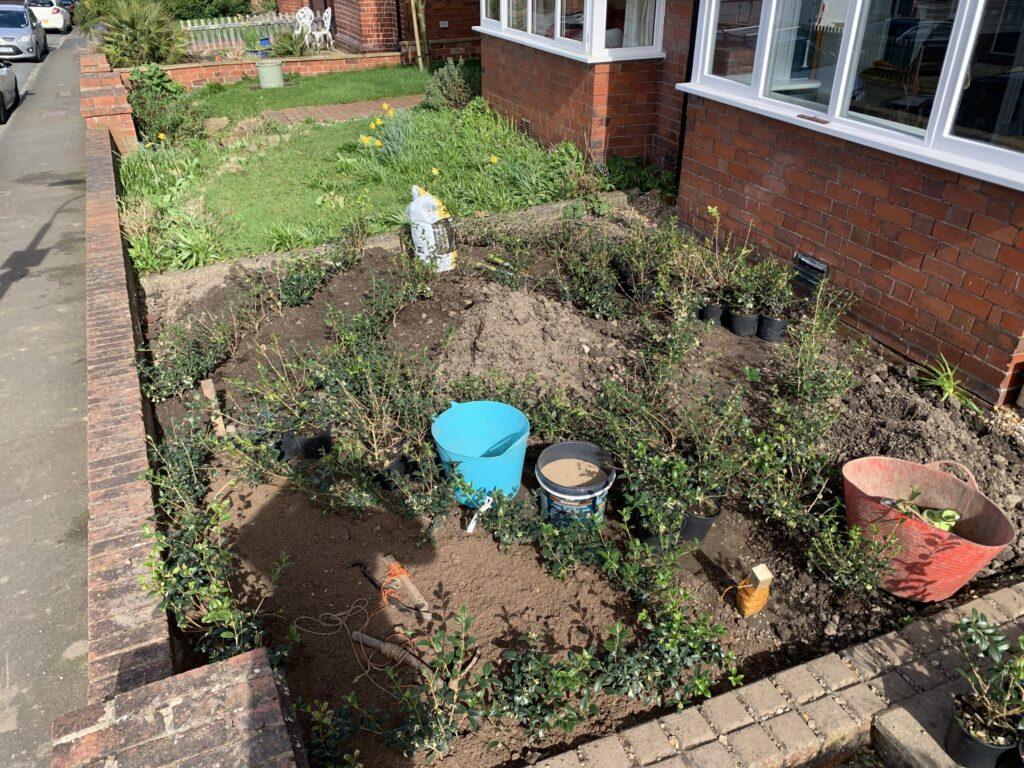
(487, 441)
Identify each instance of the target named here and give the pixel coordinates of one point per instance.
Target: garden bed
(544, 327)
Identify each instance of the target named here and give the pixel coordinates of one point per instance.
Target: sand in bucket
(572, 473)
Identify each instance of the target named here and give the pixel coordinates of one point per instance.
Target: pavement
(43, 513)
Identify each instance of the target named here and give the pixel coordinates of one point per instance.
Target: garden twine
(749, 600)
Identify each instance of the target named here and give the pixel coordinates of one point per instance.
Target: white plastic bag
(433, 236)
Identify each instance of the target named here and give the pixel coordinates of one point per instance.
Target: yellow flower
(161, 136)
(379, 121)
(494, 159)
(435, 171)
(365, 140)
(385, 106)
(378, 143)
(391, 113)
(373, 126)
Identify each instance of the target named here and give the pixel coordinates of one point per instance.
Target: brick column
(105, 101)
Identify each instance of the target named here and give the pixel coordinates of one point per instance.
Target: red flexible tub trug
(931, 564)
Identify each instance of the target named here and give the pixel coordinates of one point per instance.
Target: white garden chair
(322, 37)
(304, 23)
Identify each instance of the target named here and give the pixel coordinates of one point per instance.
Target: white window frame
(936, 145)
(591, 49)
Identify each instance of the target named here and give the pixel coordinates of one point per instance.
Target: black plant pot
(387, 476)
(711, 313)
(743, 325)
(771, 328)
(696, 527)
(971, 753)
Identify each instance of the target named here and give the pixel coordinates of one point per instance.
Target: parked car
(9, 96)
(69, 6)
(21, 35)
(50, 15)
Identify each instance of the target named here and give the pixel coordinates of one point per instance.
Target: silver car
(9, 96)
(21, 35)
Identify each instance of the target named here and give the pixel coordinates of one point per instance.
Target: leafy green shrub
(162, 108)
(448, 88)
(584, 275)
(191, 566)
(301, 278)
(289, 43)
(182, 355)
(139, 32)
(630, 173)
(206, 9)
(776, 287)
(991, 710)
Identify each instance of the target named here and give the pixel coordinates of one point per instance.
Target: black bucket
(711, 313)
(696, 527)
(971, 753)
(771, 328)
(743, 325)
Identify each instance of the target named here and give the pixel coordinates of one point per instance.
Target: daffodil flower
(435, 171)
(385, 106)
(494, 159)
(378, 143)
(379, 121)
(162, 136)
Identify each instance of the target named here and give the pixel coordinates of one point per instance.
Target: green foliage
(448, 87)
(585, 276)
(993, 708)
(776, 287)
(301, 278)
(946, 379)
(745, 289)
(191, 566)
(137, 32)
(183, 354)
(719, 259)
(163, 219)
(289, 43)
(631, 173)
(850, 560)
(206, 9)
(163, 109)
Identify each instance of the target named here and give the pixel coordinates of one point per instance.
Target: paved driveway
(42, 407)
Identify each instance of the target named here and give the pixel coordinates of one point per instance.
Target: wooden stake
(210, 393)
(416, 33)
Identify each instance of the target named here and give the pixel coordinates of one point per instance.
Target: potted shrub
(776, 299)
(986, 721)
(717, 261)
(251, 43)
(744, 298)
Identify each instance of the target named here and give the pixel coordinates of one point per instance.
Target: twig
(393, 652)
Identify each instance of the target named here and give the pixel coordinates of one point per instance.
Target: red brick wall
(664, 150)
(458, 39)
(608, 109)
(196, 75)
(104, 101)
(936, 258)
(348, 32)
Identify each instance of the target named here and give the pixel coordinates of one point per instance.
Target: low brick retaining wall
(196, 75)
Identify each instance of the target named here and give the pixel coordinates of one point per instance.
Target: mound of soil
(526, 334)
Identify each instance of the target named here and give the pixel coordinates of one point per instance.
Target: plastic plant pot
(972, 753)
(771, 329)
(711, 313)
(743, 325)
(271, 73)
(696, 527)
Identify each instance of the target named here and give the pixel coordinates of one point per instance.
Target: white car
(9, 96)
(50, 15)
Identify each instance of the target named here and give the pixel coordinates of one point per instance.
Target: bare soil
(472, 325)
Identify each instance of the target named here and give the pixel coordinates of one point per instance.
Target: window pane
(543, 19)
(493, 9)
(517, 14)
(630, 23)
(804, 50)
(736, 39)
(572, 19)
(899, 59)
(992, 103)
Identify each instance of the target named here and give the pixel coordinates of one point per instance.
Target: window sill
(576, 54)
(864, 134)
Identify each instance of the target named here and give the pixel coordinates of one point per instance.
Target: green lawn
(245, 98)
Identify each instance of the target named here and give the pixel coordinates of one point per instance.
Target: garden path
(338, 112)
(42, 422)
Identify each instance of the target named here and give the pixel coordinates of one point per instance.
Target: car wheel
(17, 95)
(3, 111)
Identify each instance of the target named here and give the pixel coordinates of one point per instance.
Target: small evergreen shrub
(448, 87)
(137, 32)
(163, 109)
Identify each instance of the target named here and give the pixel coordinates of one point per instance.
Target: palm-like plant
(140, 32)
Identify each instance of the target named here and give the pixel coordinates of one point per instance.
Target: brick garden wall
(936, 258)
(199, 74)
(607, 109)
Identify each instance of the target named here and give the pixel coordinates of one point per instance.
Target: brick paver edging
(233, 713)
(813, 714)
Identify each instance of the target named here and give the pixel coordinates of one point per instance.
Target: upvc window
(586, 30)
(941, 81)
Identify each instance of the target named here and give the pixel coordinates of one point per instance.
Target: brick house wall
(604, 108)
(935, 258)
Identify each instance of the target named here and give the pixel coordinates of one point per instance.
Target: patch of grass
(246, 99)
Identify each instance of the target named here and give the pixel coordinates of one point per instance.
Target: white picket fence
(226, 31)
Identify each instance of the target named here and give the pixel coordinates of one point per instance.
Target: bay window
(592, 31)
(941, 81)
